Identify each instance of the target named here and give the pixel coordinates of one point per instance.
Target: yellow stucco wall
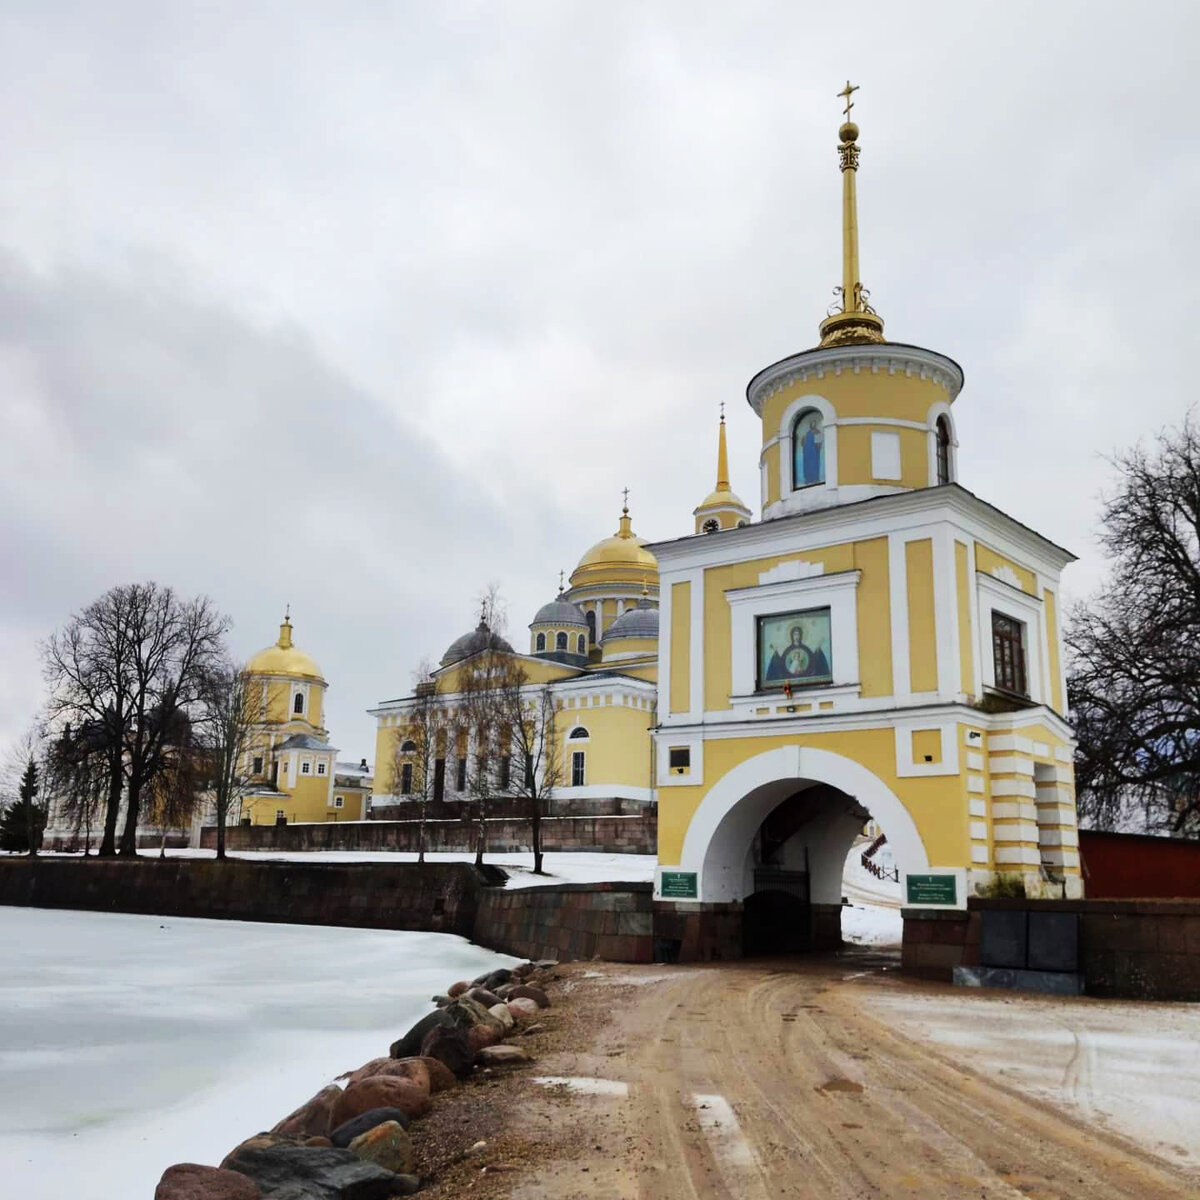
(854, 456)
(618, 748)
(987, 560)
(936, 803)
(922, 626)
(874, 618)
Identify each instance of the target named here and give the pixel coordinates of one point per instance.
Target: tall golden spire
(856, 321)
(722, 456)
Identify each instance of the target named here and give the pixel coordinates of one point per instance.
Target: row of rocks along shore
(358, 1139)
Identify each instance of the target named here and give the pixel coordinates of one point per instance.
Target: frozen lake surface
(128, 1043)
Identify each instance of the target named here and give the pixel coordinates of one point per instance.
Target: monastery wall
(599, 835)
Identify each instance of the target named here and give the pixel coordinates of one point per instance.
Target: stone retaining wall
(612, 921)
(440, 897)
(1137, 949)
(601, 835)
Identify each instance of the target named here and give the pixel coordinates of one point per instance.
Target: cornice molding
(890, 358)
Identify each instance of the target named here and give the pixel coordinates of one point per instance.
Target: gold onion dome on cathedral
(283, 658)
(621, 558)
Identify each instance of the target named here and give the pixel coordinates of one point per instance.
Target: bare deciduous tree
(528, 719)
(230, 712)
(126, 667)
(1134, 676)
(417, 749)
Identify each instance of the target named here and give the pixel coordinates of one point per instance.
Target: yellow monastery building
(881, 644)
(293, 767)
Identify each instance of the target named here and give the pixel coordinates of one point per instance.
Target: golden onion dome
(621, 558)
(283, 658)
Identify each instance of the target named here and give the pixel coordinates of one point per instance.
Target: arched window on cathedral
(541, 643)
(578, 732)
(943, 450)
(298, 704)
(409, 747)
(591, 620)
(711, 525)
(560, 642)
(581, 647)
(808, 449)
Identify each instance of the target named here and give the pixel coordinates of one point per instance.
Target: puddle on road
(840, 1085)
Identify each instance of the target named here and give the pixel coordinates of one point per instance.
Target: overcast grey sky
(363, 305)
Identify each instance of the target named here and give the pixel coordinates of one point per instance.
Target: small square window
(279, 814)
(339, 802)
(306, 767)
(320, 768)
(680, 759)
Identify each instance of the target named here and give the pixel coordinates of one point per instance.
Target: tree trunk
(108, 842)
(128, 848)
(536, 822)
(220, 834)
(421, 832)
(162, 843)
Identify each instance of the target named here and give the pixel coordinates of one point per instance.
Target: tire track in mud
(829, 1100)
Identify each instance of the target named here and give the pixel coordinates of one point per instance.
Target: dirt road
(779, 1080)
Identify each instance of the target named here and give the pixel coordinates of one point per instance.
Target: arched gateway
(881, 643)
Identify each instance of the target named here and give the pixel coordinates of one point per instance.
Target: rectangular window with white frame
(305, 767)
(320, 768)
(1008, 654)
(577, 769)
(339, 802)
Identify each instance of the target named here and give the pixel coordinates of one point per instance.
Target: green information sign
(932, 889)
(679, 885)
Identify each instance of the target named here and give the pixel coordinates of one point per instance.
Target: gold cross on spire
(722, 410)
(625, 494)
(560, 582)
(845, 94)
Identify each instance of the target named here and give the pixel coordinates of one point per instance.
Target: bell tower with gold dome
(855, 417)
(882, 644)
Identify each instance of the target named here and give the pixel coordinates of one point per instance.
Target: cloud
(364, 309)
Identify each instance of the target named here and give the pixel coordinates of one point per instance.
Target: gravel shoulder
(805, 1078)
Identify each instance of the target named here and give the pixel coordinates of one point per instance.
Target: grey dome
(559, 612)
(480, 638)
(640, 622)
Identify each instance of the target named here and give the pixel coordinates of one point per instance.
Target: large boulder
(523, 970)
(457, 989)
(311, 1173)
(493, 979)
(526, 991)
(500, 1011)
(464, 1013)
(380, 1091)
(501, 1056)
(261, 1141)
(345, 1133)
(483, 996)
(311, 1119)
(191, 1181)
(386, 1144)
(449, 1045)
(523, 1008)
(479, 1036)
(440, 1075)
(410, 1044)
(396, 1068)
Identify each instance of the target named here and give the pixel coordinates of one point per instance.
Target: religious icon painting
(794, 648)
(808, 449)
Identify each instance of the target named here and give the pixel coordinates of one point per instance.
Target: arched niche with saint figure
(808, 449)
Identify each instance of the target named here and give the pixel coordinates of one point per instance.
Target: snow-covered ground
(128, 1043)
(872, 917)
(575, 867)
(1128, 1067)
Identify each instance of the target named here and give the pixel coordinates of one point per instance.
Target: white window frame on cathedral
(787, 453)
(941, 411)
(996, 595)
(795, 586)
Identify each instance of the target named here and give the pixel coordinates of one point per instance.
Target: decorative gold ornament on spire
(856, 321)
